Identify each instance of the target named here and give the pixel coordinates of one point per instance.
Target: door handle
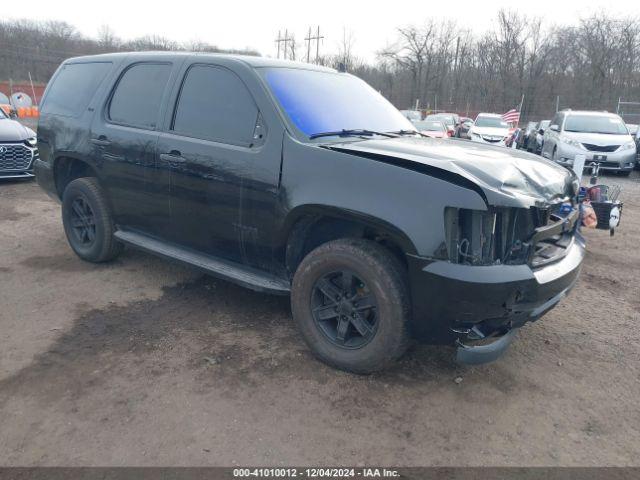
(174, 156)
(101, 141)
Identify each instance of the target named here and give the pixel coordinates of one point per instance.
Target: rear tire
(88, 222)
(361, 273)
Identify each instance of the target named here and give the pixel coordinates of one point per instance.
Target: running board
(224, 269)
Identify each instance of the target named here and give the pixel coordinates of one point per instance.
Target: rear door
(224, 166)
(124, 138)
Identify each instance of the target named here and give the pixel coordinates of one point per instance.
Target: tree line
(38, 48)
(589, 65)
(437, 64)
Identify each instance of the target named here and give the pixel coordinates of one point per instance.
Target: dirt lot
(142, 362)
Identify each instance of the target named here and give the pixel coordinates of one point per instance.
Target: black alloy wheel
(344, 309)
(83, 221)
(88, 222)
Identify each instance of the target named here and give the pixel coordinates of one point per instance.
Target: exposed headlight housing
(32, 142)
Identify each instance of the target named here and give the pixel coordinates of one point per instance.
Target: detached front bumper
(462, 304)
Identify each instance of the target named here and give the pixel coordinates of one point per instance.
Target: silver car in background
(489, 128)
(602, 137)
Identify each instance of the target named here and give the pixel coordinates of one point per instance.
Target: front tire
(350, 300)
(88, 222)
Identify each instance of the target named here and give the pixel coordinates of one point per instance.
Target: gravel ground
(142, 362)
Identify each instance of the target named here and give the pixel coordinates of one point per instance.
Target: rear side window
(138, 95)
(73, 87)
(215, 105)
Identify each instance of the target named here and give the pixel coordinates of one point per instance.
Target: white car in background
(601, 137)
(489, 128)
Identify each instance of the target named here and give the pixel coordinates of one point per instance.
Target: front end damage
(497, 270)
(502, 267)
(493, 266)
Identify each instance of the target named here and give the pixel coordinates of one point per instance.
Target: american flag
(512, 116)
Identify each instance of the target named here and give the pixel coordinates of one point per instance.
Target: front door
(223, 174)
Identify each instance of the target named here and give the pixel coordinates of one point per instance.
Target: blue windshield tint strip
(319, 102)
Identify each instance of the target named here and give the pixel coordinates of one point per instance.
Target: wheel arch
(309, 226)
(67, 168)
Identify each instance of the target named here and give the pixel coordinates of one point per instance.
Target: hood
(601, 139)
(491, 131)
(505, 177)
(12, 131)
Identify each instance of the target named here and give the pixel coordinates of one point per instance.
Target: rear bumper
(461, 304)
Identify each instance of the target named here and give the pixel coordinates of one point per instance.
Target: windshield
(595, 124)
(318, 102)
(446, 119)
(545, 124)
(430, 126)
(495, 122)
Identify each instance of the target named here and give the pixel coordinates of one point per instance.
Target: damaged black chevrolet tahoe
(294, 179)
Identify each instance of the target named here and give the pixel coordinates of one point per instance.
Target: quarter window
(138, 95)
(73, 88)
(215, 105)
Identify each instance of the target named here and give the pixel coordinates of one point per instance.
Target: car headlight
(573, 143)
(32, 142)
(628, 146)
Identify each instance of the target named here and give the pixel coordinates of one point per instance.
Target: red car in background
(450, 120)
(432, 128)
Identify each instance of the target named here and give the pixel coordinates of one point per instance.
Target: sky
(255, 24)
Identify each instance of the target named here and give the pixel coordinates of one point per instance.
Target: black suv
(295, 179)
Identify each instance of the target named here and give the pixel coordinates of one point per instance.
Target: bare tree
(107, 39)
(588, 65)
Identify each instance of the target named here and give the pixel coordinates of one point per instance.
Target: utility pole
(285, 40)
(278, 41)
(308, 40)
(317, 37)
(557, 103)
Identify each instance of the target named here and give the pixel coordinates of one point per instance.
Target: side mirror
(555, 128)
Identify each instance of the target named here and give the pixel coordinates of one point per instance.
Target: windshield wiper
(353, 132)
(409, 132)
